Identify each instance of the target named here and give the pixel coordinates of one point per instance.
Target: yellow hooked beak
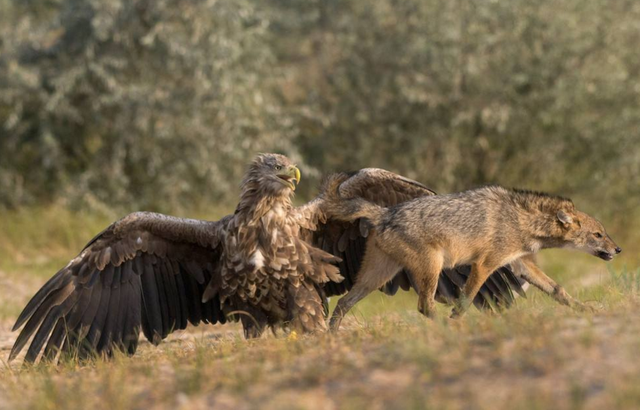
(290, 176)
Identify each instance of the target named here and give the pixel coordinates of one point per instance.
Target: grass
(536, 355)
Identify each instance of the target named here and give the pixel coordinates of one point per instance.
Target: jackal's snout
(607, 248)
(604, 255)
(588, 234)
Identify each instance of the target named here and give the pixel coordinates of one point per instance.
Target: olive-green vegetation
(110, 106)
(160, 104)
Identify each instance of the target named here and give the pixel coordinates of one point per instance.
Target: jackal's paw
(334, 325)
(581, 307)
(456, 313)
(428, 310)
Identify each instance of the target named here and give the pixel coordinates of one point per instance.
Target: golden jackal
(487, 227)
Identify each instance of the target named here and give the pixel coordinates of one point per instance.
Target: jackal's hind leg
(534, 275)
(376, 270)
(479, 274)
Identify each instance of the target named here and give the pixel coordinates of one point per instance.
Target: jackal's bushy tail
(348, 208)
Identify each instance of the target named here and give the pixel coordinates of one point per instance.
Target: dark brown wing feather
(348, 240)
(145, 272)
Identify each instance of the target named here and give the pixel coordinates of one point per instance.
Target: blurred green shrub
(159, 105)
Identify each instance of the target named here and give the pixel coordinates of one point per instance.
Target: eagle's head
(273, 174)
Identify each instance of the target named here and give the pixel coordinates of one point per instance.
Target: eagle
(270, 264)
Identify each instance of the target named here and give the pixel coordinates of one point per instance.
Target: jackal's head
(583, 232)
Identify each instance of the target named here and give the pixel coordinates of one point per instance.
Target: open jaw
(604, 255)
(289, 181)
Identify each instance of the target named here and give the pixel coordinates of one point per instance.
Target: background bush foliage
(160, 104)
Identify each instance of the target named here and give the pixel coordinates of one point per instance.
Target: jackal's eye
(598, 235)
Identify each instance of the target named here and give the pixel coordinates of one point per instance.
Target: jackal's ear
(564, 218)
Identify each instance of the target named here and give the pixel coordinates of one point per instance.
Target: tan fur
(487, 228)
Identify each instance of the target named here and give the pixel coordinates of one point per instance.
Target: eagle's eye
(278, 167)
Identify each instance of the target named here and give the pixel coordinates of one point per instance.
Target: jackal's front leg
(534, 275)
(426, 270)
(376, 270)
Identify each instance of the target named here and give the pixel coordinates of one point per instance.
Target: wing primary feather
(147, 328)
(193, 298)
(134, 317)
(107, 275)
(68, 324)
(171, 297)
(47, 325)
(513, 281)
(355, 259)
(195, 270)
(208, 315)
(90, 313)
(447, 288)
(98, 323)
(162, 301)
(126, 272)
(505, 296)
(456, 275)
(138, 264)
(153, 308)
(118, 328)
(117, 274)
(180, 290)
(52, 284)
(493, 292)
(94, 278)
(217, 314)
(403, 282)
(56, 339)
(390, 288)
(38, 316)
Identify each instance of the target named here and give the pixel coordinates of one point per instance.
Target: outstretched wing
(146, 271)
(348, 240)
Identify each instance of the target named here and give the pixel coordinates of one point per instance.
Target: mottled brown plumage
(268, 271)
(268, 264)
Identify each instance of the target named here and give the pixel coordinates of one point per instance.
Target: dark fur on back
(529, 193)
(542, 201)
